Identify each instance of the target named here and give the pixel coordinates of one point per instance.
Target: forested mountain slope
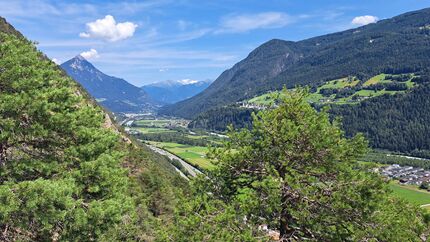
(114, 93)
(393, 122)
(399, 44)
(64, 173)
(218, 119)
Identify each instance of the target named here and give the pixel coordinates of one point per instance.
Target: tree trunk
(285, 230)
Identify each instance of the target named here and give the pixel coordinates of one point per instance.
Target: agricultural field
(381, 78)
(341, 83)
(160, 123)
(265, 99)
(195, 155)
(153, 126)
(411, 193)
(174, 136)
(358, 91)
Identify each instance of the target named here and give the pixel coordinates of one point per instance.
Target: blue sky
(156, 40)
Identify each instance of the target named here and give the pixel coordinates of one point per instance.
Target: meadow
(183, 147)
(411, 194)
(195, 155)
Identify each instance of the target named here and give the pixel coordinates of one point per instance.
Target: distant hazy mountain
(169, 92)
(114, 93)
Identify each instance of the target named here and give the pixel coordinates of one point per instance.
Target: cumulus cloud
(363, 20)
(108, 29)
(92, 53)
(244, 23)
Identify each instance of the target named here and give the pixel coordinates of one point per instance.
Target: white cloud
(90, 54)
(108, 29)
(363, 20)
(56, 61)
(163, 69)
(244, 23)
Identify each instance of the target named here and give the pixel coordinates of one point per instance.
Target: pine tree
(296, 172)
(60, 174)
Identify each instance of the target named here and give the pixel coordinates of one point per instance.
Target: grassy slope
(341, 83)
(376, 79)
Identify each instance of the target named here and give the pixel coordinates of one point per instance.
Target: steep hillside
(65, 174)
(399, 44)
(169, 92)
(113, 93)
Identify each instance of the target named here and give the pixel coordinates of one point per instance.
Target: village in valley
(407, 175)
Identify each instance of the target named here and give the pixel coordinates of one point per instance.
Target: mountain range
(399, 44)
(169, 92)
(118, 95)
(114, 93)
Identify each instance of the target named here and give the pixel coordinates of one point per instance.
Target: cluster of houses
(406, 174)
(251, 105)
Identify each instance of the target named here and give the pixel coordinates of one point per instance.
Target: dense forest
(396, 45)
(218, 119)
(392, 122)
